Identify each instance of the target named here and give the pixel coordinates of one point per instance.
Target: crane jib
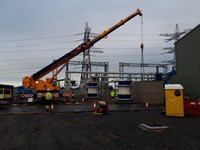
(67, 57)
(63, 60)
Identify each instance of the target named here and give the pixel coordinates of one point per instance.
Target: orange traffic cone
(94, 106)
(146, 105)
(52, 108)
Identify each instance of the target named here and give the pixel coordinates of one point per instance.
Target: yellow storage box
(174, 100)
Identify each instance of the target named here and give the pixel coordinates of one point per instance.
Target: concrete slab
(155, 127)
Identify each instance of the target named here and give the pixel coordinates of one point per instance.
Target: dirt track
(78, 131)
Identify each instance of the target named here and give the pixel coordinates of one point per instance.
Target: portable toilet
(174, 103)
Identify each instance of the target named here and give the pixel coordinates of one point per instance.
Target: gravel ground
(84, 131)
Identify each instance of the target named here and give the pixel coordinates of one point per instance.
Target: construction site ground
(73, 126)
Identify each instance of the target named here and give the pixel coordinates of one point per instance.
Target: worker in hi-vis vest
(49, 99)
(112, 94)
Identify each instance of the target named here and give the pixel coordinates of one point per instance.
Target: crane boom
(31, 81)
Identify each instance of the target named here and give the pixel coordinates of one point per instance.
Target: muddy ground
(84, 131)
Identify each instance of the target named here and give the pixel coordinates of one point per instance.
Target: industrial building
(187, 51)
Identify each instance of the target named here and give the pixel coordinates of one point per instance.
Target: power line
(69, 35)
(9, 51)
(130, 47)
(108, 56)
(27, 59)
(133, 40)
(71, 41)
(17, 69)
(62, 49)
(37, 38)
(148, 34)
(29, 45)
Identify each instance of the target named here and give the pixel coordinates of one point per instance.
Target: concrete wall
(148, 91)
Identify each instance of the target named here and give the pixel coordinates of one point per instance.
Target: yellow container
(174, 100)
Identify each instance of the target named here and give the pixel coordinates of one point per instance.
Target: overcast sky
(34, 32)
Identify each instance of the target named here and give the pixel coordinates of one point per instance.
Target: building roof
(198, 26)
(173, 86)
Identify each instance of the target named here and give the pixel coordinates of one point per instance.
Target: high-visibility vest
(112, 94)
(48, 96)
(116, 93)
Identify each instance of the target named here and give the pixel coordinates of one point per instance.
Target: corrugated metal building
(187, 51)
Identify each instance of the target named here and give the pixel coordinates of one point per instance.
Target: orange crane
(35, 81)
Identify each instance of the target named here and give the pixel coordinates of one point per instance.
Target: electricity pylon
(173, 37)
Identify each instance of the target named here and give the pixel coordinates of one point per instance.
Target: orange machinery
(40, 85)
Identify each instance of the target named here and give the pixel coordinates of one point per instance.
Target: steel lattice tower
(86, 67)
(173, 37)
